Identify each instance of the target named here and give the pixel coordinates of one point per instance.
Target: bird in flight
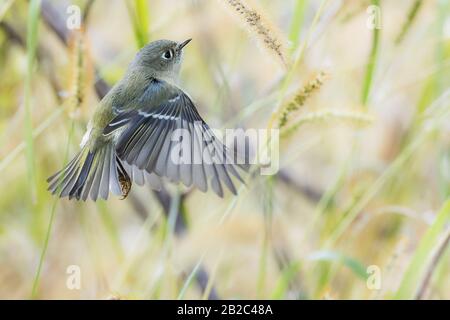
(144, 130)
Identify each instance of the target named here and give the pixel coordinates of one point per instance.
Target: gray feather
(185, 170)
(104, 183)
(153, 181)
(97, 175)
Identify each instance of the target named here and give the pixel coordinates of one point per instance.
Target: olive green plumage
(129, 138)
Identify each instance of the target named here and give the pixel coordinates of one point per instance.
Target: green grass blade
(141, 21)
(332, 256)
(4, 8)
(212, 278)
(357, 207)
(32, 34)
(44, 125)
(412, 14)
(189, 280)
(111, 229)
(416, 269)
(43, 252)
(50, 223)
(266, 241)
(286, 277)
(297, 22)
(297, 61)
(368, 78)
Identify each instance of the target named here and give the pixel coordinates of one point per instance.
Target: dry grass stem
(257, 24)
(300, 98)
(355, 117)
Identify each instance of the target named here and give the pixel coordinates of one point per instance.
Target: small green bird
(131, 136)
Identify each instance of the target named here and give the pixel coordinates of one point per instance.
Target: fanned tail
(91, 174)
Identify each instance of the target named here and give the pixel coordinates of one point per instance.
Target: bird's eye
(168, 54)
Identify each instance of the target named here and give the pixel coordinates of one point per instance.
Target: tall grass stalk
(293, 69)
(326, 115)
(132, 254)
(168, 232)
(412, 14)
(45, 124)
(437, 80)
(438, 255)
(111, 229)
(421, 259)
(442, 52)
(358, 205)
(50, 223)
(300, 98)
(372, 61)
(141, 21)
(353, 264)
(259, 25)
(266, 241)
(212, 277)
(189, 279)
(4, 8)
(79, 67)
(327, 198)
(171, 220)
(287, 275)
(32, 34)
(297, 22)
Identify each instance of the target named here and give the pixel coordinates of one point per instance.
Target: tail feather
(91, 174)
(97, 176)
(82, 180)
(104, 183)
(66, 180)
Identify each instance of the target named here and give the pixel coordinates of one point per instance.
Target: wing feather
(146, 143)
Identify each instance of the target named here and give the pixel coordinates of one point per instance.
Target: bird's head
(161, 58)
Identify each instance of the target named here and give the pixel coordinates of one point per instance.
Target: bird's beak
(183, 44)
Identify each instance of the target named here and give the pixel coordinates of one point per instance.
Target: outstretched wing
(165, 135)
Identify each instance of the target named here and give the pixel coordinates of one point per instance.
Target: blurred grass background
(364, 152)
